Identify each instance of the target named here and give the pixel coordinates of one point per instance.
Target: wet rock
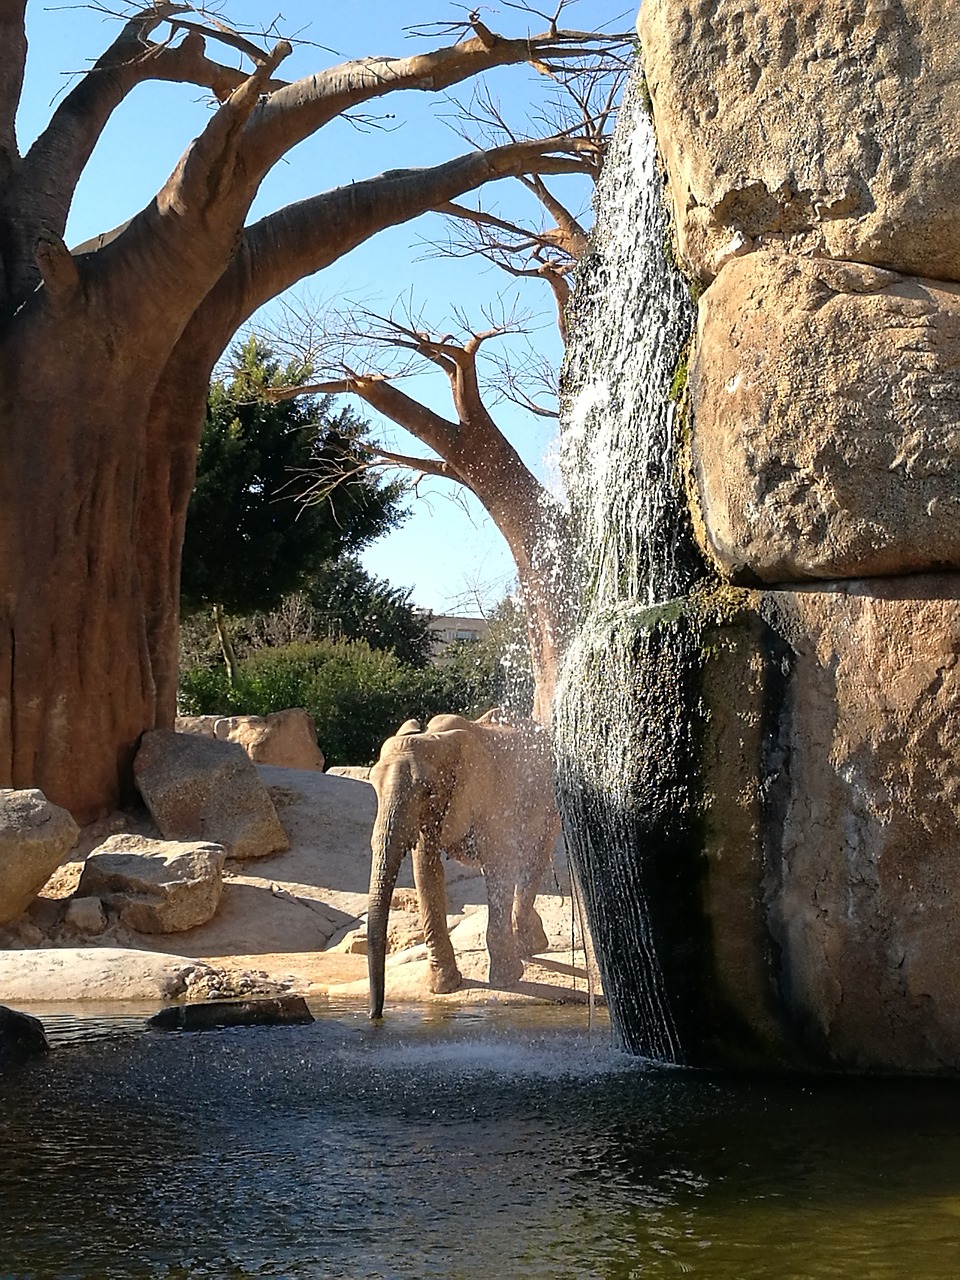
(817, 127)
(202, 789)
(21, 1036)
(803, 879)
(873, 489)
(286, 1009)
(35, 836)
(156, 886)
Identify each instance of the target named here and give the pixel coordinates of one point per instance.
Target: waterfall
(626, 815)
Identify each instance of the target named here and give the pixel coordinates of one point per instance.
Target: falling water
(625, 814)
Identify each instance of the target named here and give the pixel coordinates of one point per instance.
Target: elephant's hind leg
(443, 974)
(527, 925)
(506, 966)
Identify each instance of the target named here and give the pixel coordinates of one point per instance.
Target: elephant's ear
(408, 726)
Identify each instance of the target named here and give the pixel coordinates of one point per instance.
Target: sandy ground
(293, 921)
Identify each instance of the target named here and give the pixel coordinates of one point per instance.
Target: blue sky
(447, 551)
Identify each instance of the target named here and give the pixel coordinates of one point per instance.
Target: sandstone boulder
(156, 886)
(204, 725)
(198, 788)
(35, 836)
(287, 739)
(816, 125)
(825, 435)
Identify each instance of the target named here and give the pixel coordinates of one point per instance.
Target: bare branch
(58, 157)
(293, 113)
(302, 238)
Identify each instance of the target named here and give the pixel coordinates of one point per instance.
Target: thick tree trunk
(78, 686)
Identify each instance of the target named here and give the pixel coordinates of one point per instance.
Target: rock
(287, 1009)
(204, 725)
(867, 879)
(786, 342)
(156, 886)
(20, 1035)
(201, 789)
(287, 739)
(60, 975)
(817, 126)
(359, 773)
(86, 915)
(813, 807)
(35, 836)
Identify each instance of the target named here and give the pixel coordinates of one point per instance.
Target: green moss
(678, 382)
(643, 90)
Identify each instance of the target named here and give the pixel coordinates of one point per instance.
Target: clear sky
(447, 551)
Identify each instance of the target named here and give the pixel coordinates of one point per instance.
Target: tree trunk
(77, 686)
(226, 645)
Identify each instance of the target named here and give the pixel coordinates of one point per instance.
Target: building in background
(446, 630)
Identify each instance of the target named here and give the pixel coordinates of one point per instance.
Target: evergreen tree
(252, 535)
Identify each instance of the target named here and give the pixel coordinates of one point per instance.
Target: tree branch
(13, 57)
(426, 466)
(180, 246)
(305, 237)
(293, 113)
(55, 162)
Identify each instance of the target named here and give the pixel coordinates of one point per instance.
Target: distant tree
(351, 604)
(250, 538)
(369, 355)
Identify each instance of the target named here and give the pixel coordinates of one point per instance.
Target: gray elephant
(478, 791)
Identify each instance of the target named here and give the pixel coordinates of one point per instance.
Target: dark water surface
(464, 1146)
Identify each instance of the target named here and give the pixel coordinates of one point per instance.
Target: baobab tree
(369, 355)
(106, 352)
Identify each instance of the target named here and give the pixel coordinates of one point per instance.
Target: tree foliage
(251, 538)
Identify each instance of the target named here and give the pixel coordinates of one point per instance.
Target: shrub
(357, 695)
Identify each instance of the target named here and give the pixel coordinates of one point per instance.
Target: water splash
(620, 449)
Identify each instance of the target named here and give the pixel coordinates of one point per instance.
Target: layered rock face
(816, 192)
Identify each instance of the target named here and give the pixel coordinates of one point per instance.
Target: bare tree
(106, 352)
(368, 355)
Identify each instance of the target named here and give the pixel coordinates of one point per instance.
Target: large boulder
(156, 886)
(825, 435)
(797, 832)
(198, 788)
(819, 126)
(35, 836)
(287, 739)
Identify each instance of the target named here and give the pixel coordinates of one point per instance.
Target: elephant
(480, 791)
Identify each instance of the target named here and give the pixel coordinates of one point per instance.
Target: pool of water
(461, 1146)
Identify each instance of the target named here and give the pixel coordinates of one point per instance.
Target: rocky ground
(291, 921)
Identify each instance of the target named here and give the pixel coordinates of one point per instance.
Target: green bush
(357, 695)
